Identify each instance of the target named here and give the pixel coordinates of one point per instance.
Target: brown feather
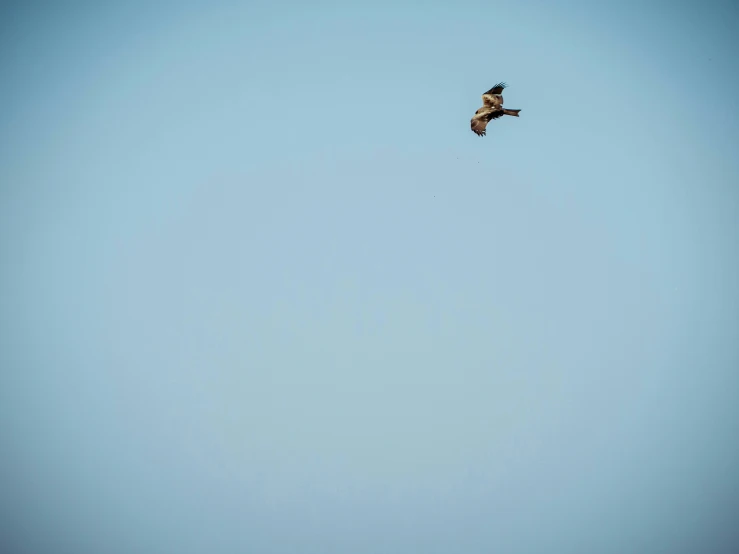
(497, 89)
(492, 100)
(481, 119)
(492, 108)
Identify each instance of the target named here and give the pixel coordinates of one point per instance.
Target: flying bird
(492, 108)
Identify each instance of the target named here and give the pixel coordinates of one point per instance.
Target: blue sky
(263, 290)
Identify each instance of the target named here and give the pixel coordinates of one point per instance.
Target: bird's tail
(511, 112)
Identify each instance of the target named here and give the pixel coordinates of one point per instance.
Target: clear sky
(262, 290)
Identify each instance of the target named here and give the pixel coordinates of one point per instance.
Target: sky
(262, 289)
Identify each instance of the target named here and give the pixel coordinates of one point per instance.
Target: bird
(492, 108)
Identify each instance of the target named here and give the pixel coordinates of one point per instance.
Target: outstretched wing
(480, 121)
(497, 89)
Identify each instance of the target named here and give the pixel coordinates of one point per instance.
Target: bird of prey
(492, 108)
